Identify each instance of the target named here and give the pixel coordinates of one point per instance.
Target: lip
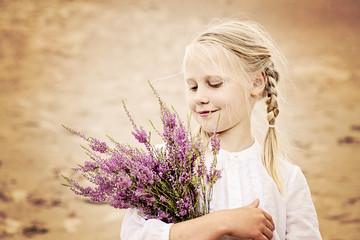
(205, 114)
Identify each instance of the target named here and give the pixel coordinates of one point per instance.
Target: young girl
(227, 69)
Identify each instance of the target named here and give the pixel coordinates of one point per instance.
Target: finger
(269, 225)
(254, 204)
(269, 218)
(262, 237)
(267, 233)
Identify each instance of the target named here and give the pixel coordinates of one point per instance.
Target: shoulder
(291, 175)
(296, 187)
(287, 169)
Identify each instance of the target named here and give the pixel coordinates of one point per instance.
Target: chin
(208, 129)
(208, 126)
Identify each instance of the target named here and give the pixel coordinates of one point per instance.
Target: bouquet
(170, 182)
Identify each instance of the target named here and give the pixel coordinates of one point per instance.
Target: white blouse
(244, 179)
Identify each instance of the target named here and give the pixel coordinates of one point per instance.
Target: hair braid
(271, 149)
(272, 77)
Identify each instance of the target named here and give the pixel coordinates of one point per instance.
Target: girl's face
(215, 99)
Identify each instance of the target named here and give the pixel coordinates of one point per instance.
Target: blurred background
(72, 62)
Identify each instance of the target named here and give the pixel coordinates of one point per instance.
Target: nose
(201, 96)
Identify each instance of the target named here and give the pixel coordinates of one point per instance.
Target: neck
(237, 138)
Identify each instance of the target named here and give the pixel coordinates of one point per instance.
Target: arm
(301, 219)
(245, 222)
(134, 227)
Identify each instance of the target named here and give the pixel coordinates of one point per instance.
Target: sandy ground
(73, 62)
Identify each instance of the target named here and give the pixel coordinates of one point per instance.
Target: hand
(249, 222)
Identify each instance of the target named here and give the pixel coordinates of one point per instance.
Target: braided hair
(270, 148)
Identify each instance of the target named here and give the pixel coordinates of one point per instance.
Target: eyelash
(216, 85)
(193, 89)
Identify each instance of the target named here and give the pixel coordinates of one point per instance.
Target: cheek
(238, 110)
(230, 106)
(190, 102)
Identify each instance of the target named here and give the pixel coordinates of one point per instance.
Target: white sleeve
(301, 220)
(134, 227)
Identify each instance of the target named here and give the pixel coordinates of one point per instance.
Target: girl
(227, 69)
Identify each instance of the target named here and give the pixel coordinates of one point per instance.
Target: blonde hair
(249, 51)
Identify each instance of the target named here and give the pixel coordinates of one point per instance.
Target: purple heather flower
(140, 135)
(99, 146)
(176, 175)
(215, 142)
(90, 165)
(162, 199)
(163, 215)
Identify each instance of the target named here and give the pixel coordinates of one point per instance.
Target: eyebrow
(189, 80)
(215, 76)
(207, 77)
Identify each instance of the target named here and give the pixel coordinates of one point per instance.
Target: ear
(258, 84)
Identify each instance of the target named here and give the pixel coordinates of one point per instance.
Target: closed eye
(193, 88)
(215, 81)
(216, 85)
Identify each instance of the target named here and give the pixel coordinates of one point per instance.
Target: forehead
(201, 60)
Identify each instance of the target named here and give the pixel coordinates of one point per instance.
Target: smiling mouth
(206, 114)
